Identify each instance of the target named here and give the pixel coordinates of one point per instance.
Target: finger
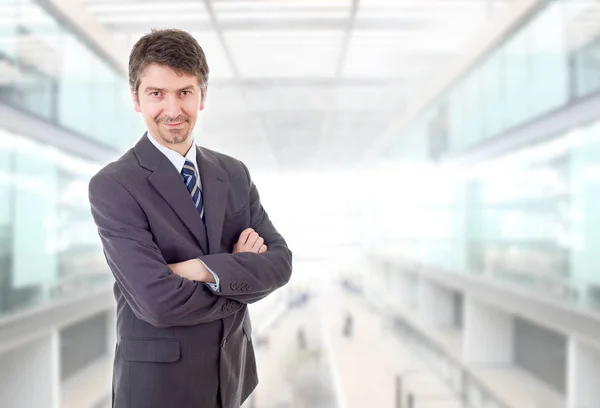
(244, 235)
(259, 242)
(262, 249)
(252, 239)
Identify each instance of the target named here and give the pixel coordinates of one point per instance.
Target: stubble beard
(174, 136)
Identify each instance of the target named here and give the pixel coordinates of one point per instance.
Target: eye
(155, 93)
(186, 92)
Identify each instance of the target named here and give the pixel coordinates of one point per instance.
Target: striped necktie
(191, 182)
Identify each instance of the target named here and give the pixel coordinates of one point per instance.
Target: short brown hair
(176, 49)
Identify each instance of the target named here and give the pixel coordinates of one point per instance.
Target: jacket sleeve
(154, 293)
(248, 277)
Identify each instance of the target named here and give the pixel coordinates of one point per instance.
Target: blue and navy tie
(191, 181)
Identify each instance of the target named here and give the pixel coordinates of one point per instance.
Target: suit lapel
(170, 186)
(215, 184)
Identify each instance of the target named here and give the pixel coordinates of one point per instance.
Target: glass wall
(48, 241)
(529, 218)
(586, 63)
(522, 219)
(50, 72)
(552, 60)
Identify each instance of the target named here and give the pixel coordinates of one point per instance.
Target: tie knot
(189, 169)
(189, 165)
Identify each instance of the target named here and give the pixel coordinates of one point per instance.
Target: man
(188, 242)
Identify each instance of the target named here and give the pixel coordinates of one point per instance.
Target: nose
(172, 107)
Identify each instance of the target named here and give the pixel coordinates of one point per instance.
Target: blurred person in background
(188, 242)
(348, 328)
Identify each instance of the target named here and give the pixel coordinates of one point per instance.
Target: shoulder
(234, 167)
(120, 171)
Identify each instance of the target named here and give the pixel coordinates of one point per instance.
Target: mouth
(173, 125)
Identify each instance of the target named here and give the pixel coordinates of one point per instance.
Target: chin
(175, 137)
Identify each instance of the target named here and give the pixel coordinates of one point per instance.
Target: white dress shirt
(178, 161)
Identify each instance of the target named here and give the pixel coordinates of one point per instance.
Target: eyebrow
(154, 89)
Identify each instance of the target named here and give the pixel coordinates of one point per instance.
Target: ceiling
(306, 85)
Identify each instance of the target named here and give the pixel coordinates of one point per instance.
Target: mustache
(166, 119)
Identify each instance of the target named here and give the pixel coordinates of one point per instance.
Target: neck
(181, 148)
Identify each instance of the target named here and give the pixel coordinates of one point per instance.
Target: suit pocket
(150, 350)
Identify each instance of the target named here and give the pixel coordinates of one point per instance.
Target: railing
(461, 380)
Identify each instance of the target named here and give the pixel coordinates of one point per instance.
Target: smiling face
(169, 103)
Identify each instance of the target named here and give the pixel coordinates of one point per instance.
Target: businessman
(188, 242)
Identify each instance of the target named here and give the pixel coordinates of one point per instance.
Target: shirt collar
(174, 157)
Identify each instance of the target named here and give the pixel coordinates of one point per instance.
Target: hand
(250, 241)
(193, 269)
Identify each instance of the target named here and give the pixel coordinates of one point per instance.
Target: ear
(203, 101)
(134, 97)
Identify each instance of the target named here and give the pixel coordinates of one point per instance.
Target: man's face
(169, 103)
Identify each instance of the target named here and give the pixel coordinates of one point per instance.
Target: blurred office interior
(434, 165)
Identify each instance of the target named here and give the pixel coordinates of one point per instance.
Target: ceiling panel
(131, 8)
(369, 98)
(278, 5)
(302, 83)
(276, 54)
(215, 55)
(289, 98)
(398, 55)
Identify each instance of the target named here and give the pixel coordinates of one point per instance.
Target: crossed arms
(175, 295)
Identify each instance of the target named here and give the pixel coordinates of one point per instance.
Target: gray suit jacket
(179, 343)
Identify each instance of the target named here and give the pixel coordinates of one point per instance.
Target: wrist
(204, 274)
